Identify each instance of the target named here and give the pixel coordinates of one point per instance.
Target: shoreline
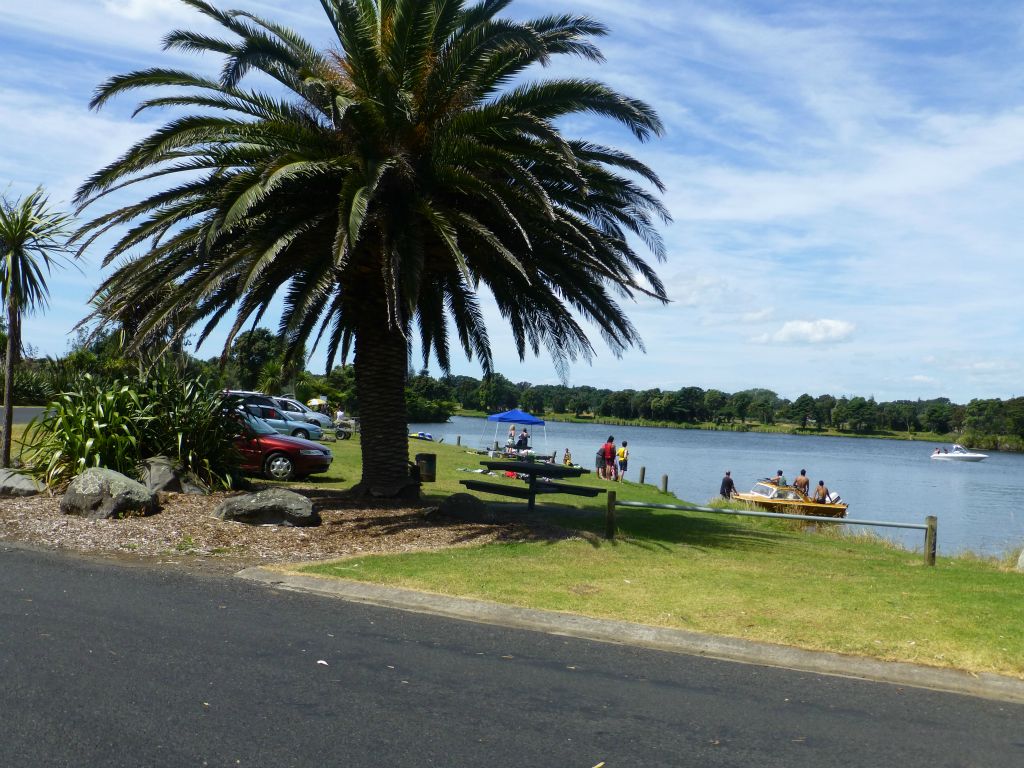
(739, 428)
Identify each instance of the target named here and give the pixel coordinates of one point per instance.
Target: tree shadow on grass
(383, 518)
(549, 523)
(664, 529)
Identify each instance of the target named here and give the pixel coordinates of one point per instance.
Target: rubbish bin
(427, 463)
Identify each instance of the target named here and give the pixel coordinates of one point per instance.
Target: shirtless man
(802, 483)
(821, 493)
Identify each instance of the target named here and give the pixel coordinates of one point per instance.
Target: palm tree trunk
(381, 367)
(13, 340)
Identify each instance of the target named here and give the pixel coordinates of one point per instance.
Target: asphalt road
(111, 665)
(23, 414)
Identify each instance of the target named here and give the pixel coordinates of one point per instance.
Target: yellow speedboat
(789, 500)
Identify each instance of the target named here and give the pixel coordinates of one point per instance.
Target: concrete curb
(983, 685)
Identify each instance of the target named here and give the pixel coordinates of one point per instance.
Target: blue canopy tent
(516, 416)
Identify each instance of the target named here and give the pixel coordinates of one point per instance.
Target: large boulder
(15, 484)
(468, 508)
(162, 475)
(101, 493)
(274, 507)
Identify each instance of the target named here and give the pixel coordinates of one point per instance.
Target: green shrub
(121, 425)
(188, 424)
(89, 427)
(30, 387)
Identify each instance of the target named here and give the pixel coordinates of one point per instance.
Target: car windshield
(259, 426)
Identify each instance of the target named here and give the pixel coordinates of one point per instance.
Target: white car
(297, 411)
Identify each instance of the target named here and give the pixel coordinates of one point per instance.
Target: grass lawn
(17, 432)
(755, 579)
(760, 580)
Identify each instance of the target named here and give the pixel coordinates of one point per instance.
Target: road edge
(982, 685)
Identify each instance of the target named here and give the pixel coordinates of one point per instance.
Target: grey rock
(15, 484)
(101, 493)
(274, 507)
(465, 506)
(162, 475)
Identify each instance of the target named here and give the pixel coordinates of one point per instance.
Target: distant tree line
(257, 360)
(992, 423)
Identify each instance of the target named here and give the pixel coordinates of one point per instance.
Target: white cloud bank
(822, 331)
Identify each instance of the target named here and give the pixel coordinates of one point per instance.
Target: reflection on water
(976, 503)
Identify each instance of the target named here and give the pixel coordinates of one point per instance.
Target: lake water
(978, 504)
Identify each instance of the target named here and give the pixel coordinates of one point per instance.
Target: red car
(278, 457)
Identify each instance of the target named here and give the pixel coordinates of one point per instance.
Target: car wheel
(278, 467)
(301, 433)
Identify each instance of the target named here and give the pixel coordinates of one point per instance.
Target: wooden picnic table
(534, 470)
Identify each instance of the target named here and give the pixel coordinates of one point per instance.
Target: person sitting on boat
(802, 484)
(779, 479)
(567, 458)
(821, 493)
(937, 452)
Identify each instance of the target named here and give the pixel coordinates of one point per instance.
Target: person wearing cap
(728, 486)
(779, 479)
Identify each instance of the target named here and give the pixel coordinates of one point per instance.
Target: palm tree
(378, 186)
(33, 239)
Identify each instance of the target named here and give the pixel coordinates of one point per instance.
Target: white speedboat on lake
(959, 453)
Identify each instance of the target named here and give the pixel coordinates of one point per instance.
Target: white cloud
(758, 315)
(148, 9)
(810, 331)
(697, 290)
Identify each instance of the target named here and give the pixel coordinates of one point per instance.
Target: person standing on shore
(607, 453)
(623, 456)
(728, 486)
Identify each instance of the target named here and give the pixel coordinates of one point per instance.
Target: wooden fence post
(609, 517)
(458, 439)
(931, 536)
(643, 474)
(664, 483)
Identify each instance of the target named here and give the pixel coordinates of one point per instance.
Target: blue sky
(846, 181)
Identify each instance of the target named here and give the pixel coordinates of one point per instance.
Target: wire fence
(930, 525)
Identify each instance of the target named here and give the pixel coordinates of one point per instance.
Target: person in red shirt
(608, 450)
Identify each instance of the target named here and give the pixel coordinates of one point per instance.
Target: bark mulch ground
(184, 531)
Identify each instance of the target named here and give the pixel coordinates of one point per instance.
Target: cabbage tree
(33, 240)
